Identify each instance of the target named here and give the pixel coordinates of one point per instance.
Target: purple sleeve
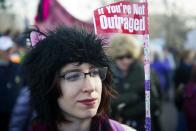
(116, 126)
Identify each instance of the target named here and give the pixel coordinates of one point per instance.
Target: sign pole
(147, 82)
(147, 78)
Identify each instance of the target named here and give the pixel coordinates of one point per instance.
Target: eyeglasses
(128, 56)
(77, 75)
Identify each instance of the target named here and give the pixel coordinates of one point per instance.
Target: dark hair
(43, 63)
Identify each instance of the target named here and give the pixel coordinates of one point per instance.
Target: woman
(128, 76)
(70, 82)
(182, 76)
(189, 100)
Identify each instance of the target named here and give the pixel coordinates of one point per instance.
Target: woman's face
(123, 62)
(81, 93)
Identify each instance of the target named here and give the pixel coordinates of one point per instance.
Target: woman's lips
(88, 102)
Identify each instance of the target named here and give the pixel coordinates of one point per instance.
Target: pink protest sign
(122, 17)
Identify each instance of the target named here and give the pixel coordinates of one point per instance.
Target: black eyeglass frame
(102, 73)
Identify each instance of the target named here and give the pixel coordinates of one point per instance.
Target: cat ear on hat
(35, 36)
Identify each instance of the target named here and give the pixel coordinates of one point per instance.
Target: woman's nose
(88, 84)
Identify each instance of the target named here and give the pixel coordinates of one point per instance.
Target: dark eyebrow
(92, 67)
(71, 70)
(77, 69)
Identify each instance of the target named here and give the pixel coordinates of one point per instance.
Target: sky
(78, 7)
(184, 6)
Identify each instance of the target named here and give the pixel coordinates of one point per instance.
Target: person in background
(128, 70)
(189, 100)
(22, 113)
(161, 68)
(168, 61)
(21, 47)
(10, 80)
(181, 77)
(69, 80)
